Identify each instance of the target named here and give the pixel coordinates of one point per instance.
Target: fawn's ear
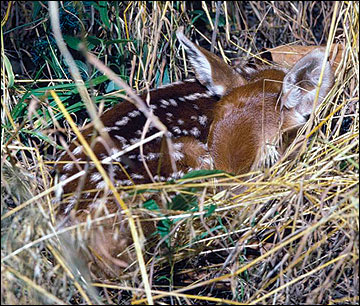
(210, 70)
(299, 87)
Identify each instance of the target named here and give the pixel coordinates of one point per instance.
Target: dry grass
(290, 238)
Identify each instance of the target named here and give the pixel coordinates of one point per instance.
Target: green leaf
(163, 228)
(43, 137)
(198, 13)
(164, 277)
(65, 92)
(200, 173)
(118, 41)
(82, 67)
(93, 40)
(104, 13)
(112, 86)
(19, 109)
(36, 9)
(72, 41)
(184, 202)
(151, 205)
(166, 78)
(221, 21)
(210, 209)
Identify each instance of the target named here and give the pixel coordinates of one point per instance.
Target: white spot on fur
(205, 161)
(59, 191)
(71, 203)
(269, 155)
(173, 102)
(134, 140)
(203, 120)
(169, 85)
(197, 95)
(180, 121)
(177, 155)
(152, 156)
(87, 194)
(123, 121)
(134, 113)
(68, 167)
(109, 129)
(204, 146)
(164, 102)
(62, 154)
(103, 156)
(149, 156)
(125, 182)
(195, 131)
(153, 107)
(101, 185)
(136, 176)
(193, 97)
(121, 138)
(77, 150)
(176, 129)
(298, 118)
(178, 146)
(95, 177)
(114, 151)
(176, 175)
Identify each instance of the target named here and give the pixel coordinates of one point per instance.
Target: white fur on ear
(299, 87)
(210, 70)
(200, 63)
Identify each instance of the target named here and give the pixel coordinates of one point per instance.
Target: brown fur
(160, 166)
(243, 131)
(242, 122)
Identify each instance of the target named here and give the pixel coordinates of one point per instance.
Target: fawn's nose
(306, 117)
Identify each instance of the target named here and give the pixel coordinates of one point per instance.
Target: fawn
(224, 119)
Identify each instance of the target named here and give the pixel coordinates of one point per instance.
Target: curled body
(224, 119)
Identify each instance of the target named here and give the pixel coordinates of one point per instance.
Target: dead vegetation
(290, 238)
